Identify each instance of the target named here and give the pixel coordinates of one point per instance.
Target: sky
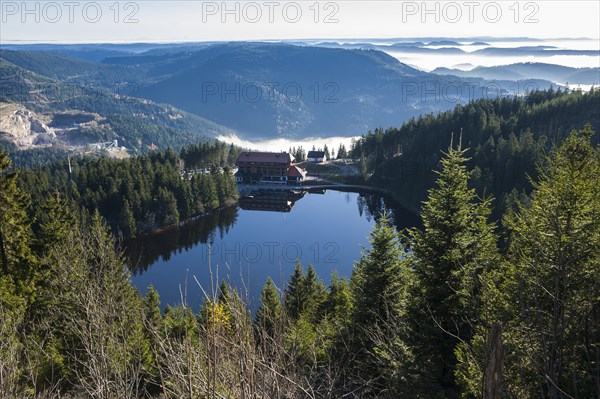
(180, 21)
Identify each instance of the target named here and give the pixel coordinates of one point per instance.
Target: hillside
(138, 124)
(69, 69)
(504, 136)
(276, 90)
(267, 90)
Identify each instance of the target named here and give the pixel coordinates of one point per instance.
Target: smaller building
(295, 175)
(316, 156)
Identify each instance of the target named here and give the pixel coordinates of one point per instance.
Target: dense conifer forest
(508, 138)
(442, 311)
(140, 194)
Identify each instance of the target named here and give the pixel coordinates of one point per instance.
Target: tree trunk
(494, 373)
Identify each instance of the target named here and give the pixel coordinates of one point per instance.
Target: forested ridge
(508, 138)
(435, 312)
(140, 194)
(137, 123)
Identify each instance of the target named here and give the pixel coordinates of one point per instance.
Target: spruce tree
(17, 260)
(363, 166)
(304, 294)
(98, 313)
(269, 315)
(376, 283)
(292, 297)
(378, 287)
(16, 280)
(152, 308)
(56, 222)
(338, 303)
(553, 317)
(127, 223)
(448, 257)
(313, 294)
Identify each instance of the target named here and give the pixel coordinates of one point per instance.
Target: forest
(508, 138)
(138, 124)
(140, 194)
(441, 311)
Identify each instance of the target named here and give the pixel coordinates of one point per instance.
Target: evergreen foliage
(449, 257)
(419, 317)
(136, 195)
(508, 138)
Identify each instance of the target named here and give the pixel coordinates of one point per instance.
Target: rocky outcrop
(27, 129)
(24, 127)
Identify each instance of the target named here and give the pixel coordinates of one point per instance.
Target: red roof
(295, 171)
(268, 157)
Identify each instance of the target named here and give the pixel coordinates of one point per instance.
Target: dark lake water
(263, 236)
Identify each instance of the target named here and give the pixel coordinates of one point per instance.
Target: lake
(264, 236)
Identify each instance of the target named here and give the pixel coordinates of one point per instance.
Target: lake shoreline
(244, 189)
(184, 222)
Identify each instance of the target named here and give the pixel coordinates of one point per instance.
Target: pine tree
(449, 257)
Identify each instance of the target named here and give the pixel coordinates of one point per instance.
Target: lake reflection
(262, 237)
(271, 200)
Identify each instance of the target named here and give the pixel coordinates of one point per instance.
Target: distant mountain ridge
(330, 91)
(551, 72)
(259, 90)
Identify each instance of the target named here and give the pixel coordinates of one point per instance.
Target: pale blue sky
(167, 21)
